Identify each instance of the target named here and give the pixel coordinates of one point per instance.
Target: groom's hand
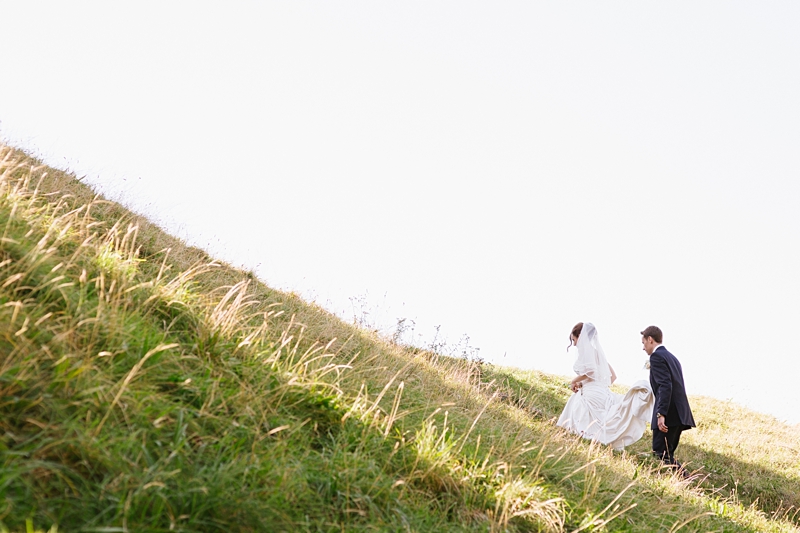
(661, 425)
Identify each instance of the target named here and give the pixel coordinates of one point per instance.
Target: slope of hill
(144, 387)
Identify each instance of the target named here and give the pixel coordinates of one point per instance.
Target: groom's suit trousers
(664, 444)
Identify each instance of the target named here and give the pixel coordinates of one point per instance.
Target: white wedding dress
(596, 413)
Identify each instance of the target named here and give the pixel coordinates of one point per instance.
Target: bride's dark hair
(576, 330)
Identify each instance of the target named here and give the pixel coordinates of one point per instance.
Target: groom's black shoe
(680, 470)
(676, 466)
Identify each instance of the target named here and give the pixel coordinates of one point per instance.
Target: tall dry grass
(144, 386)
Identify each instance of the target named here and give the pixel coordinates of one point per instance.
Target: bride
(593, 411)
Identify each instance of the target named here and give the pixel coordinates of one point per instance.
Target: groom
(671, 414)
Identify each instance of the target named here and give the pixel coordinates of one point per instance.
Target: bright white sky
(504, 169)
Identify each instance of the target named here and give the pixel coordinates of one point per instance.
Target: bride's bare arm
(575, 384)
(613, 374)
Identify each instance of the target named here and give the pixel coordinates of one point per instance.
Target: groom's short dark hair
(655, 332)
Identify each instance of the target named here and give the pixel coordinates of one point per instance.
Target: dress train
(596, 413)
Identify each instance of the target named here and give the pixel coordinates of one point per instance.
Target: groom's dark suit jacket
(666, 379)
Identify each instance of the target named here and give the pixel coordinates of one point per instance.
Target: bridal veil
(591, 360)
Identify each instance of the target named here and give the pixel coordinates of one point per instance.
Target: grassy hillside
(144, 387)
